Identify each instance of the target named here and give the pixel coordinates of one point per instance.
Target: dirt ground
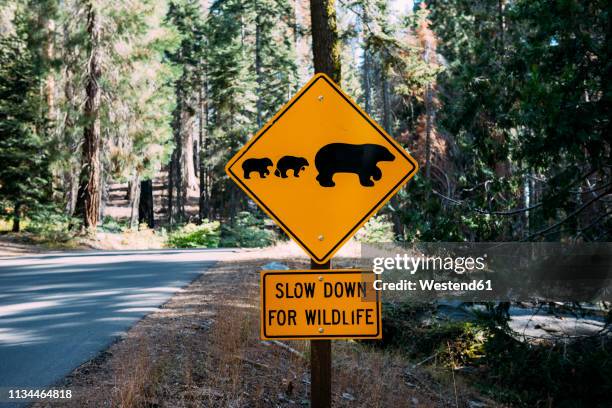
(202, 348)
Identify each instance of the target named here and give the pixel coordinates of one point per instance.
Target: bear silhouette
(256, 165)
(286, 163)
(350, 158)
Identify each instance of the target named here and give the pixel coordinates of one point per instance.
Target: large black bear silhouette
(256, 165)
(350, 158)
(286, 163)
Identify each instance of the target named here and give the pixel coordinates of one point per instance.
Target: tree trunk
(190, 181)
(258, 76)
(49, 51)
(71, 179)
(386, 101)
(104, 193)
(398, 228)
(171, 190)
(17, 218)
(428, 127)
(145, 209)
(135, 201)
(90, 172)
(325, 44)
(177, 186)
(366, 64)
(204, 202)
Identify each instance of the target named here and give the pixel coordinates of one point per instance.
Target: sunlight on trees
(504, 104)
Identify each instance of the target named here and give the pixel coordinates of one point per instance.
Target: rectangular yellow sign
(320, 304)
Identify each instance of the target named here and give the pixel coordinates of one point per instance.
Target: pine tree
(115, 100)
(139, 102)
(523, 99)
(186, 16)
(275, 69)
(231, 92)
(250, 75)
(89, 183)
(24, 173)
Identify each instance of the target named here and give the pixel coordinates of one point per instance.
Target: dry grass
(143, 238)
(202, 349)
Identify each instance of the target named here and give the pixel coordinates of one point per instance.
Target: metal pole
(320, 364)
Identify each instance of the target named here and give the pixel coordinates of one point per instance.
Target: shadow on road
(56, 313)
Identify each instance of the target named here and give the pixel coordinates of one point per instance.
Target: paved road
(58, 311)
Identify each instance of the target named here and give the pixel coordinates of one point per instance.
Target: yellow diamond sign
(321, 167)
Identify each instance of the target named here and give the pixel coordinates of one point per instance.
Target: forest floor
(202, 348)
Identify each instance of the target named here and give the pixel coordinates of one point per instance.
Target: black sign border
(368, 214)
(265, 274)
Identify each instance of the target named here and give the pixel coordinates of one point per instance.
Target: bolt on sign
(321, 167)
(319, 304)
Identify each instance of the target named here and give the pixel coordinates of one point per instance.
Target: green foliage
(377, 229)
(570, 373)
(452, 342)
(53, 227)
(250, 73)
(140, 96)
(205, 235)
(573, 374)
(24, 171)
(523, 103)
(110, 224)
(247, 231)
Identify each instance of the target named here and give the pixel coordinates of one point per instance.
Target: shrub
(205, 235)
(248, 231)
(109, 224)
(52, 226)
(566, 373)
(377, 229)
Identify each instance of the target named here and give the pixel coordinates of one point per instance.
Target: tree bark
(177, 188)
(386, 101)
(145, 208)
(366, 64)
(104, 197)
(49, 52)
(204, 202)
(71, 179)
(135, 201)
(17, 218)
(90, 172)
(171, 190)
(325, 44)
(258, 76)
(188, 117)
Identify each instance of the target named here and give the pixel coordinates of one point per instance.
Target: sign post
(320, 304)
(320, 363)
(320, 168)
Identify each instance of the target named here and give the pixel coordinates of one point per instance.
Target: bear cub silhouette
(287, 163)
(350, 158)
(256, 165)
